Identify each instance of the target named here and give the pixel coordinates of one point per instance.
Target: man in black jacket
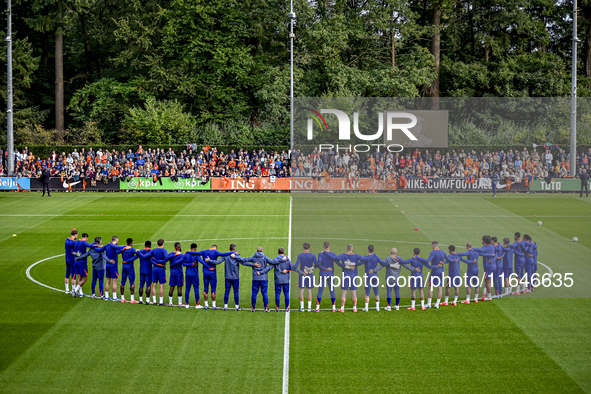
(584, 182)
(45, 179)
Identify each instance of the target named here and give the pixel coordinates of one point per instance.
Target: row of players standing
(497, 264)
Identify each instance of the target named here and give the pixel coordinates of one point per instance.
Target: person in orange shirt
(469, 162)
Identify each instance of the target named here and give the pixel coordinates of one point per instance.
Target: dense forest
(162, 72)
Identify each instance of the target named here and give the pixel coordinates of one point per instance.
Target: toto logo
(392, 120)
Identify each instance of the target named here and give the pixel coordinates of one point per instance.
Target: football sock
(301, 304)
(446, 299)
(106, 294)
(366, 305)
(455, 299)
(162, 300)
(309, 304)
(133, 297)
(207, 304)
(67, 287)
(437, 303)
(412, 303)
(428, 301)
(180, 300)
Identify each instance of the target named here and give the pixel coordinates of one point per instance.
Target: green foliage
(24, 66)
(38, 136)
(224, 64)
(106, 102)
(158, 122)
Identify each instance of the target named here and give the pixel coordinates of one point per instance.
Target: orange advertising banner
(342, 184)
(252, 185)
(302, 184)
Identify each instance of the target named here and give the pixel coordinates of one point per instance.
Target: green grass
(51, 342)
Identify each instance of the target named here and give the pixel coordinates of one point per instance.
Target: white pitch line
(36, 281)
(548, 268)
(109, 215)
(286, 335)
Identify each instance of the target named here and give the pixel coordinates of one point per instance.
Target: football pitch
(52, 342)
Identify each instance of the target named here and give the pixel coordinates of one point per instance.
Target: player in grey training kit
(393, 264)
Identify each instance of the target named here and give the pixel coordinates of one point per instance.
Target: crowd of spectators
(455, 163)
(206, 162)
(192, 162)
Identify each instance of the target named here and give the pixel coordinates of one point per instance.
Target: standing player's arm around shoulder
(100, 249)
(407, 264)
(218, 261)
(422, 260)
(144, 254)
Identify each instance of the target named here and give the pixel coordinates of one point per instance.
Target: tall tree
(52, 16)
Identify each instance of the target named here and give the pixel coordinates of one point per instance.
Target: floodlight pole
(9, 126)
(292, 17)
(573, 102)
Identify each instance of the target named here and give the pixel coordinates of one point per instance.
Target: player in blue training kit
(306, 262)
(113, 251)
(416, 280)
(192, 276)
(497, 265)
(393, 263)
(507, 265)
(370, 277)
(71, 261)
(176, 258)
(231, 277)
(260, 280)
(535, 257)
(281, 269)
(158, 271)
(348, 261)
(472, 279)
(128, 255)
(326, 267)
(437, 256)
(145, 256)
(488, 254)
(82, 264)
(454, 278)
(210, 275)
(519, 252)
(528, 246)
